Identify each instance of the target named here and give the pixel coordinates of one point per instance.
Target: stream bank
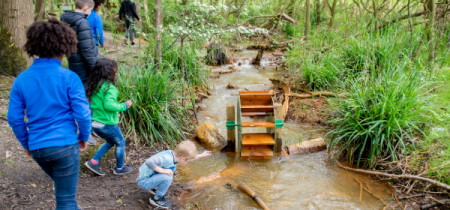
(309, 181)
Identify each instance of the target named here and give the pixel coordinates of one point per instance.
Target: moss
(12, 61)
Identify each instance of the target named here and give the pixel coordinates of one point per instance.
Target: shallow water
(306, 182)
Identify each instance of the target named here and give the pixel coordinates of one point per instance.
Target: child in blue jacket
(95, 20)
(52, 98)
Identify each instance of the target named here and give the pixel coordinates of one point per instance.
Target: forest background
(389, 58)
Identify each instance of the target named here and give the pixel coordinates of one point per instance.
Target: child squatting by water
(157, 171)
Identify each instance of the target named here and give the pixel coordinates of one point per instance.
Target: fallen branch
(313, 94)
(394, 176)
(247, 190)
(412, 196)
(269, 16)
(440, 202)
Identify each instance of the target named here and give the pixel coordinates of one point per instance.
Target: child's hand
(129, 103)
(205, 154)
(167, 171)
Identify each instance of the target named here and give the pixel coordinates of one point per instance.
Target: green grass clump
(155, 115)
(380, 112)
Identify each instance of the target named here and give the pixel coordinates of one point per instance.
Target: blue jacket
(96, 26)
(53, 98)
(167, 161)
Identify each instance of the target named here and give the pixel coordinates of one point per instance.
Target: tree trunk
(39, 10)
(318, 12)
(138, 11)
(375, 13)
(16, 16)
(333, 13)
(307, 21)
(429, 28)
(157, 24)
(51, 9)
(182, 68)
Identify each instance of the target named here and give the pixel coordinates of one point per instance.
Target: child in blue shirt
(157, 171)
(54, 101)
(95, 20)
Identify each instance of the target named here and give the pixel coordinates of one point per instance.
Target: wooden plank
(239, 128)
(251, 114)
(259, 124)
(255, 151)
(265, 99)
(251, 92)
(231, 133)
(257, 139)
(278, 131)
(257, 108)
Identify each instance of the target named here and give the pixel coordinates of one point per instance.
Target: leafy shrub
(379, 113)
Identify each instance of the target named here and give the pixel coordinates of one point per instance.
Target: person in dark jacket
(128, 10)
(87, 54)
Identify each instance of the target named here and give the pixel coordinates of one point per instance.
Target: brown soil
(23, 185)
(314, 111)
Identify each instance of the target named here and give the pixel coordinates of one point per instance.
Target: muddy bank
(23, 185)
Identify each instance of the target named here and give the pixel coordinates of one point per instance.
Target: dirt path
(23, 185)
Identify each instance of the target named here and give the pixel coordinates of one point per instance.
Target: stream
(308, 182)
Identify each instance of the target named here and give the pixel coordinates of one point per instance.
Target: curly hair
(104, 71)
(50, 39)
(98, 2)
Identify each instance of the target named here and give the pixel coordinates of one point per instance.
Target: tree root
(394, 176)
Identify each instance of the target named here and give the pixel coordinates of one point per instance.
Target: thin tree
(157, 25)
(318, 12)
(307, 19)
(333, 12)
(39, 10)
(430, 35)
(16, 16)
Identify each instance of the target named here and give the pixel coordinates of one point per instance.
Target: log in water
(247, 190)
(309, 146)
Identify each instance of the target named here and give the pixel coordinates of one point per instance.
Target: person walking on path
(128, 10)
(101, 91)
(82, 61)
(53, 98)
(86, 55)
(95, 20)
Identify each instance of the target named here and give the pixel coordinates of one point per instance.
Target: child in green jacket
(103, 95)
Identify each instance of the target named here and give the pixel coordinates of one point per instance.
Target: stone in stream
(313, 145)
(210, 137)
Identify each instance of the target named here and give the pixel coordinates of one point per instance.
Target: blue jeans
(162, 181)
(112, 136)
(62, 164)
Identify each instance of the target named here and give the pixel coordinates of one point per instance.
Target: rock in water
(210, 137)
(313, 145)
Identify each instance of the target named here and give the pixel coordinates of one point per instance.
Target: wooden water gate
(255, 145)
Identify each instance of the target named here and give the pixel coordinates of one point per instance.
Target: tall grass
(155, 115)
(379, 114)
